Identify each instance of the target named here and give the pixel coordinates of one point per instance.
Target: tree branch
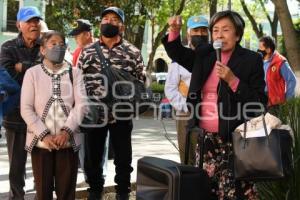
(212, 7)
(265, 11)
(255, 26)
(274, 25)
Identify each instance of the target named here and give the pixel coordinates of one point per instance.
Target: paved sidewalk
(148, 139)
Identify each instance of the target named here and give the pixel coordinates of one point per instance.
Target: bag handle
(264, 126)
(105, 64)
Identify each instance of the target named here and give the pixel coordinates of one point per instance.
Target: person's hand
(175, 23)
(62, 139)
(18, 67)
(224, 72)
(50, 143)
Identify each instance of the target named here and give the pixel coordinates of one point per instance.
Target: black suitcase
(162, 179)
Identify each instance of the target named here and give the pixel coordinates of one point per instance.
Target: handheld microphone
(218, 46)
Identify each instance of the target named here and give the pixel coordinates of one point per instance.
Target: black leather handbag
(267, 157)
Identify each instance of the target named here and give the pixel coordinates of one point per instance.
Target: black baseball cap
(115, 10)
(82, 25)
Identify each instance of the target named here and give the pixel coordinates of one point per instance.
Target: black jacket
(245, 64)
(14, 51)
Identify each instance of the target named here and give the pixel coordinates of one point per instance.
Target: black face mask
(109, 30)
(263, 53)
(199, 40)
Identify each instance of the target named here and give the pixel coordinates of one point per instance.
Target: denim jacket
(10, 93)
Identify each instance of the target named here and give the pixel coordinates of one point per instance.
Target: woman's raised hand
(175, 23)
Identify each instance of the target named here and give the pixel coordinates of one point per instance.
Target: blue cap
(197, 21)
(28, 12)
(115, 10)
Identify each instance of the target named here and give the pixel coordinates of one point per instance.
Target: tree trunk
(274, 26)
(158, 38)
(289, 33)
(135, 38)
(257, 29)
(139, 37)
(155, 45)
(273, 23)
(212, 7)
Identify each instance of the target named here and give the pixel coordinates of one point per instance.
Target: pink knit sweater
(40, 89)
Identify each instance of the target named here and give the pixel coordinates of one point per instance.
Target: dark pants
(17, 162)
(56, 170)
(120, 133)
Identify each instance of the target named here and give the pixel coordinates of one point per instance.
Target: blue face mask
(56, 54)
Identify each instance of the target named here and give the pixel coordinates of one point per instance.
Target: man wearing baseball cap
(122, 55)
(197, 32)
(17, 55)
(178, 81)
(83, 36)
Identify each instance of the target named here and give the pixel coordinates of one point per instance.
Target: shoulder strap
(125, 48)
(105, 64)
(71, 79)
(103, 60)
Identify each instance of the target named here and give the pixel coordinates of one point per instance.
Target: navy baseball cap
(28, 12)
(82, 25)
(115, 10)
(197, 21)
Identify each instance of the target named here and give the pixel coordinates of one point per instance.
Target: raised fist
(175, 23)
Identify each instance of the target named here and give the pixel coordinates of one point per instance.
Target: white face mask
(56, 54)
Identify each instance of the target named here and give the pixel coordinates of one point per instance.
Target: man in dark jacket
(17, 55)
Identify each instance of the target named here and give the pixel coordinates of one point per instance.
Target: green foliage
(157, 88)
(287, 189)
(159, 15)
(12, 10)
(281, 46)
(257, 12)
(297, 25)
(61, 15)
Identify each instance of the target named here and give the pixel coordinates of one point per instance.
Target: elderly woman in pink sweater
(53, 103)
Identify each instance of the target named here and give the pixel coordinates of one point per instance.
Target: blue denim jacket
(10, 92)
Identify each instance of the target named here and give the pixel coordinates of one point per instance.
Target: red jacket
(275, 81)
(76, 54)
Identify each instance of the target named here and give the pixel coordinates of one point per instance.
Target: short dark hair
(49, 34)
(269, 42)
(235, 18)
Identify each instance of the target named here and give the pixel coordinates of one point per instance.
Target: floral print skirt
(217, 161)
